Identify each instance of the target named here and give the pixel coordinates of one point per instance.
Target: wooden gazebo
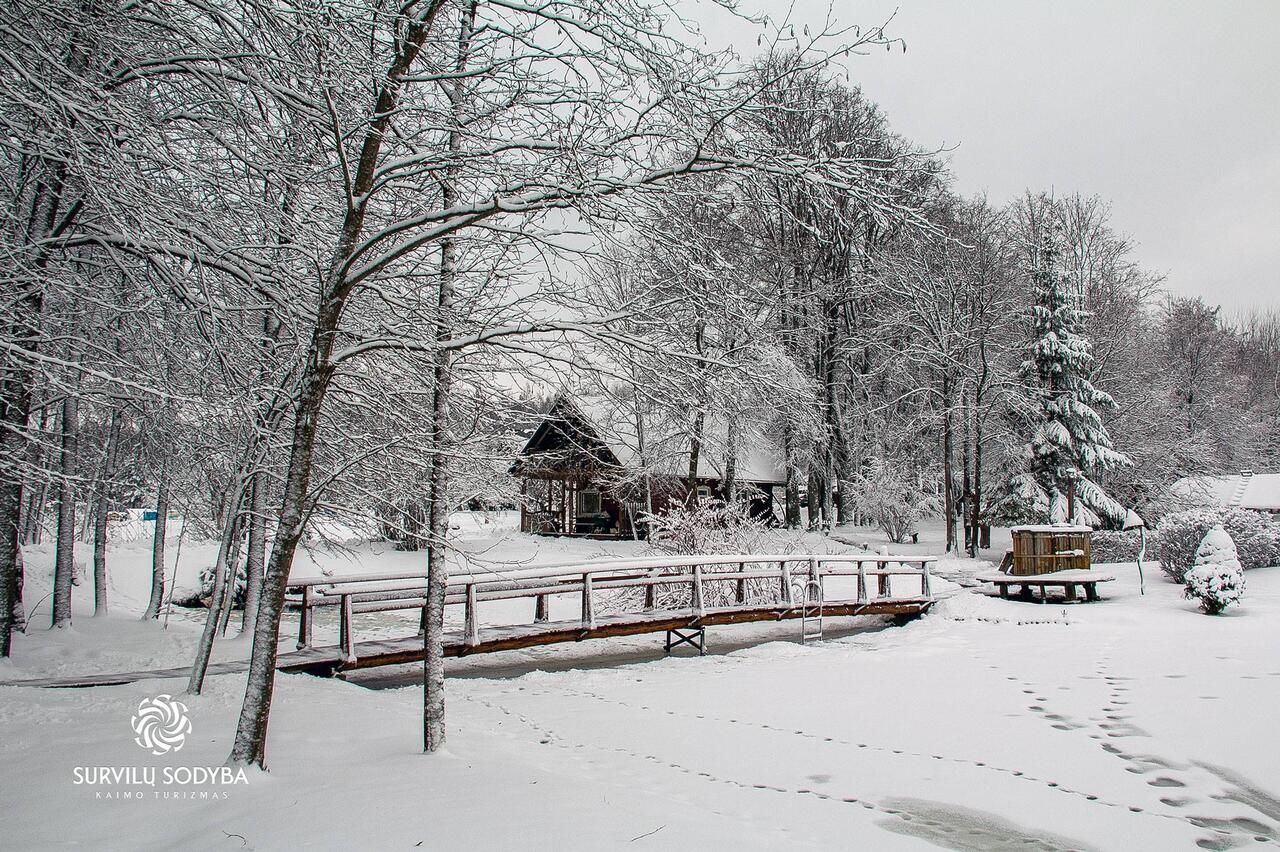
(579, 478)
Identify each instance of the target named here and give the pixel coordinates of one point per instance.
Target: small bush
(1178, 536)
(895, 498)
(1112, 546)
(709, 528)
(1216, 579)
(206, 586)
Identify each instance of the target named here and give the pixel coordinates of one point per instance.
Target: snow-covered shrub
(711, 526)
(206, 588)
(1216, 580)
(1178, 536)
(894, 498)
(1115, 546)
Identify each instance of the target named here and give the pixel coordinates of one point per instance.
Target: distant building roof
(1245, 490)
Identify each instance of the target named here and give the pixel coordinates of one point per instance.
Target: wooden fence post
(541, 609)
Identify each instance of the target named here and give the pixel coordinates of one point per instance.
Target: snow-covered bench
(1086, 578)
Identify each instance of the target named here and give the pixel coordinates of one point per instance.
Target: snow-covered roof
(1245, 490)
(666, 448)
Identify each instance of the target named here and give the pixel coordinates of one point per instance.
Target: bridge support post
(304, 620)
(471, 627)
(588, 607)
(346, 641)
(694, 637)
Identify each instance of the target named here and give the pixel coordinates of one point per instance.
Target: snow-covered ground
(1130, 724)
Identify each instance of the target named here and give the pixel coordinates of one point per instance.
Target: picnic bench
(1068, 580)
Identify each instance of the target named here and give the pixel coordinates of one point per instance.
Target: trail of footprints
(1115, 724)
(549, 737)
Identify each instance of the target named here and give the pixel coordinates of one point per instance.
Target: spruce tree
(1068, 441)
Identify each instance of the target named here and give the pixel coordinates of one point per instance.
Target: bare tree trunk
(966, 476)
(217, 601)
(257, 552)
(17, 390)
(699, 417)
(438, 504)
(19, 611)
(730, 484)
(695, 457)
(34, 498)
(948, 475)
(793, 478)
(157, 547)
(233, 572)
(976, 507)
(101, 515)
(64, 560)
(313, 383)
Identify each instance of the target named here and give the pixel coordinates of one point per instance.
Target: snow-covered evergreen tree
(1217, 580)
(1068, 441)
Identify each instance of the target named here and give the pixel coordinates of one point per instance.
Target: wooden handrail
(387, 592)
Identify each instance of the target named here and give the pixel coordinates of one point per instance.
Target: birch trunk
(438, 504)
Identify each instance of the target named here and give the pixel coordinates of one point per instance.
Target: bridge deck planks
(386, 652)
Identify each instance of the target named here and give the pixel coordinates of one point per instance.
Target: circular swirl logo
(161, 724)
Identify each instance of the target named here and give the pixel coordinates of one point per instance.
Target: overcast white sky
(1171, 110)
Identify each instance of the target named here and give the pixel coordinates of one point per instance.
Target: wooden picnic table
(1068, 580)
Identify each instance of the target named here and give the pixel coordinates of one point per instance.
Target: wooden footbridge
(677, 595)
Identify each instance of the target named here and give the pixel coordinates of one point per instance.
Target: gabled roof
(1245, 490)
(602, 433)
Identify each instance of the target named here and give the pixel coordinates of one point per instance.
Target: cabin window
(588, 502)
(704, 493)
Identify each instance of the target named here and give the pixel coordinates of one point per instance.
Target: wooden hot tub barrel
(1045, 549)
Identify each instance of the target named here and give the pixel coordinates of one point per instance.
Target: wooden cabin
(581, 476)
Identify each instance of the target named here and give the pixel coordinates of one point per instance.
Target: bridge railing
(403, 591)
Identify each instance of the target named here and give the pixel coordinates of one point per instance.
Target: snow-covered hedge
(1216, 579)
(1115, 546)
(1178, 536)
